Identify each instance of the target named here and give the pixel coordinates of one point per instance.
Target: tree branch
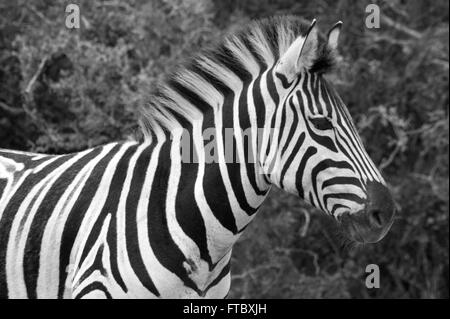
(400, 27)
(10, 110)
(30, 85)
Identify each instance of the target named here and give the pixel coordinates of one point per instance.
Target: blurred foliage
(64, 90)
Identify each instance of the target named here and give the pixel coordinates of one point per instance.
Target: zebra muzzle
(371, 224)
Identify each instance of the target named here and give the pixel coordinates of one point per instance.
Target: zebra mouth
(349, 228)
(359, 227)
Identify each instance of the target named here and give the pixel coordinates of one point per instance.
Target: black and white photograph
(246, 150)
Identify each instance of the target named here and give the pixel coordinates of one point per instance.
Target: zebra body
(71, 229)
(137, 220)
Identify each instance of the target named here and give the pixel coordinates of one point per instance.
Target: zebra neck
(208, 204)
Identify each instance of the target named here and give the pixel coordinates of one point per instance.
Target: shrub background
(65, 90)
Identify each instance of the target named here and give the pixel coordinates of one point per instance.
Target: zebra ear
(301, 54)
(333, 35)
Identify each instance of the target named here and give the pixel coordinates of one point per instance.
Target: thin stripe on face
(322, 156)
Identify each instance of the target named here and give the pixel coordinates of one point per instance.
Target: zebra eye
(321, 123)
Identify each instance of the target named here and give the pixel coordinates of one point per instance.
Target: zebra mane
(237, 57)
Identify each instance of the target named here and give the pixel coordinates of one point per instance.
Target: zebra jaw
(360, 228)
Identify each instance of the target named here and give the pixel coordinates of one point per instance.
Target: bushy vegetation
(65, 90)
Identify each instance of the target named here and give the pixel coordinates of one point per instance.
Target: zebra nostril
(381, 208)
(376, 218)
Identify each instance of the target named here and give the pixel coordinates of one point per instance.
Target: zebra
(132, 219)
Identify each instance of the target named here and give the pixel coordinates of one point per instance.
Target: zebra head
(320, 155)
